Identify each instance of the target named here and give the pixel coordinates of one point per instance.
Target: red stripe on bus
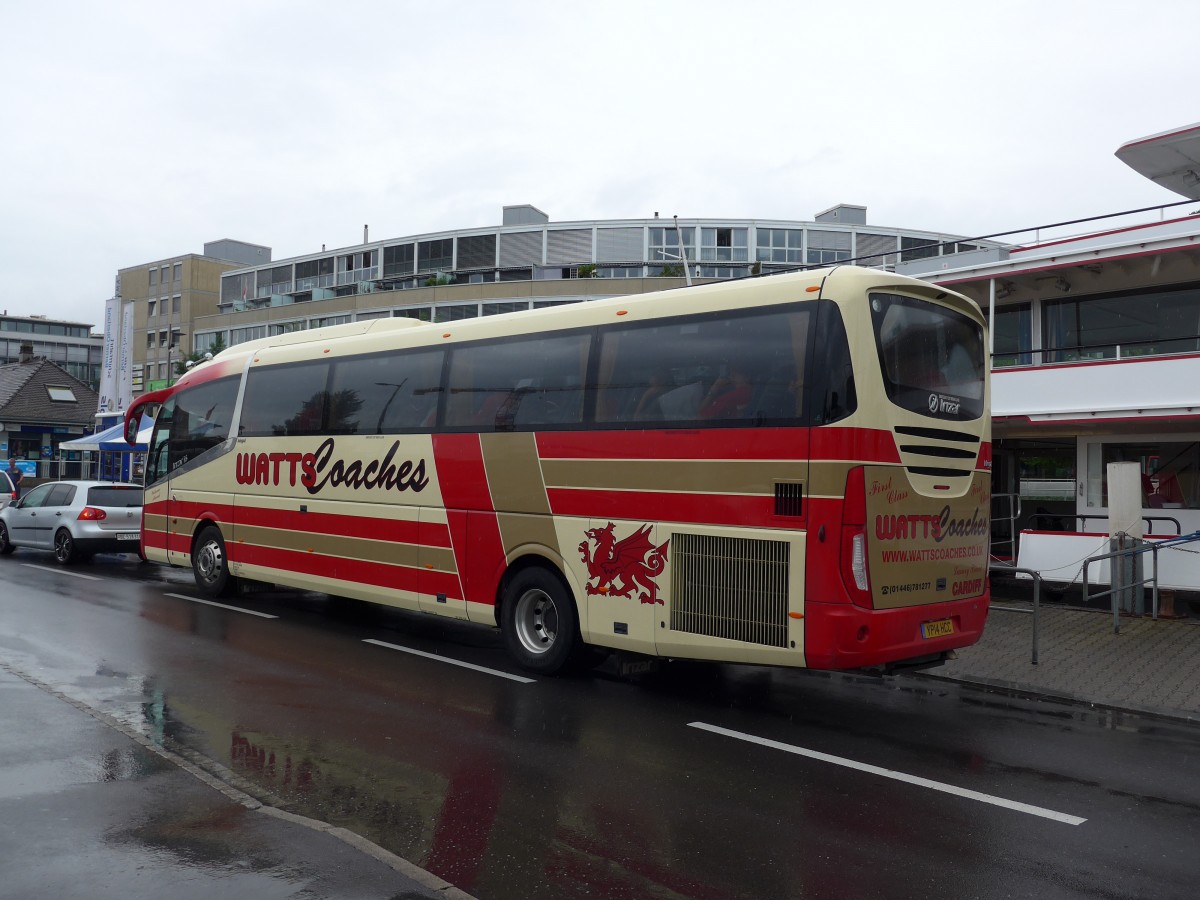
(478, 553)
(654, 506)
(868, 444)
(399, 531)
(460, 471)
(357, 571)
(475, 536)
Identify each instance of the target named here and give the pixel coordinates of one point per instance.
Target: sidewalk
(1151, 666)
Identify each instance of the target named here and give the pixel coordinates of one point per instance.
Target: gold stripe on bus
(515, 480)
(675, 475)
(827, 478)
(518, 531)
(440, 559)
(514, 473)
(155, 523)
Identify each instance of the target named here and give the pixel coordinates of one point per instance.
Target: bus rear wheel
(210, 565)
(539, 622)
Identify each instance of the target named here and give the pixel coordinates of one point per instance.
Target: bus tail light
(854, 566)
(91, 514)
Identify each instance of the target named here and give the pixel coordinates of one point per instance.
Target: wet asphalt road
(698, 781)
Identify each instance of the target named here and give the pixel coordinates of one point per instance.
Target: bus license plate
(127, 535)
(937, 628)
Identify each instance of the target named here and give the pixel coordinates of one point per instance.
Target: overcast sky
(136, 131)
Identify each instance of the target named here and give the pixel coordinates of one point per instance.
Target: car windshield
(114, 496)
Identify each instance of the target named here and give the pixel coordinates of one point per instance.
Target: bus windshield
(931, 357)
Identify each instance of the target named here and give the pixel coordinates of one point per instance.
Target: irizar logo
(939, 403)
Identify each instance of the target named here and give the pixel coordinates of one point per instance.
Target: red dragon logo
(633, 561)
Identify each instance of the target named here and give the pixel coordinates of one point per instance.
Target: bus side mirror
(131, 430)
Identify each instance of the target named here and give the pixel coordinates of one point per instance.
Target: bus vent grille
(733, 588)
(789, 498)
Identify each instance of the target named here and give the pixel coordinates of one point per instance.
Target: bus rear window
(932, 357)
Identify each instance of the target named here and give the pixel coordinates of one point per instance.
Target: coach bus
(789, 470)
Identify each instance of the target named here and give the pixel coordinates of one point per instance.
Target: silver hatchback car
(75, 519)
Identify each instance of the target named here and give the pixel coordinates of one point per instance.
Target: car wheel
(5, 544)
(210, 565)
(540, 625)
(64, 547)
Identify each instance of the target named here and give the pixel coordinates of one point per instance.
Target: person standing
(16, 475)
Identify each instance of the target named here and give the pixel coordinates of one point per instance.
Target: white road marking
(897, 776)
(453, 662)
(62, 571)
(248, 612)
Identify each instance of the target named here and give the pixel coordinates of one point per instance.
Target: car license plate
(127, 536)
(937, 628)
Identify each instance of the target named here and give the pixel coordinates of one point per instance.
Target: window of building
(149, 340)
(721, 244)
(1012, 336)
(435, 256)
(780, 245)
(150, 309)
(495, 309)
(1169, 471)
(237, 288)
(1128, 324)
(177, 272)
(423, 313)
(353, 268)
(276, 280)
(722, 271)
(153, 277)
(828, 247)
(455, 313)
(176, 304)
(287, 327)
(399, 259)
(60, 394)
(918, 248)
(249, 333)
(325, 321)
(664, 243)
(205, 341)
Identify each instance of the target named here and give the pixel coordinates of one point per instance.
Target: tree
(196, 356)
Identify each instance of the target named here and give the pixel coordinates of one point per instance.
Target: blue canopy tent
(118, 460)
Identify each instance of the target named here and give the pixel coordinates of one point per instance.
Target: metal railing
(1037, 599)
(1149, 520)
(1013, 504)
(1125, 590)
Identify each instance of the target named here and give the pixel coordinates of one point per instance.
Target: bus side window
(518, 385)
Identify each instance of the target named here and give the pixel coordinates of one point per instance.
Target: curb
(1038, 693)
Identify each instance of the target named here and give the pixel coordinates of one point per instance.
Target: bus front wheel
(210, 565)
(540, 625)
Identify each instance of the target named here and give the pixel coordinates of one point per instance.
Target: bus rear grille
(733, 588)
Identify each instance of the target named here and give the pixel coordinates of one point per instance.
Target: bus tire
(210, 565)
(539, 623)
